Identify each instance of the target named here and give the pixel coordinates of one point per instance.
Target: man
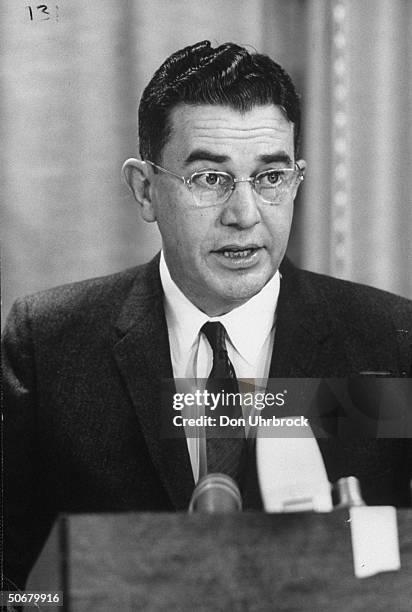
(83, 364)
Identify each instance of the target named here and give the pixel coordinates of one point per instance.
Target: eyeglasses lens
(211, 188)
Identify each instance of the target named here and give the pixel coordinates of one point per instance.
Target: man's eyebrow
(269, 158)
(204, 154)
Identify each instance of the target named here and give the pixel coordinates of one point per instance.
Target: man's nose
(241, 208)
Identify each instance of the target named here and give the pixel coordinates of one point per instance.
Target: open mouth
(239, 256)
(237, 252)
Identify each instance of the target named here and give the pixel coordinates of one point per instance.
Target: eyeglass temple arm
(182, 178)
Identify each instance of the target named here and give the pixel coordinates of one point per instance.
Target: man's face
(223, 255)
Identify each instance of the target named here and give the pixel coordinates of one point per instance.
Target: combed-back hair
(228, 75)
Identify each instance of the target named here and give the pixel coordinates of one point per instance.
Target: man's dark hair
(229, 75)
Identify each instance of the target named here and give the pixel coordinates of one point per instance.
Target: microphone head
(347, 492)
(216, 493)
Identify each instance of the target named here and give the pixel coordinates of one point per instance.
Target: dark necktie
(223, 454)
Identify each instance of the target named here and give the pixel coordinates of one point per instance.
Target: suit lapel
(143, 356)
(303, 332)
(308, 344)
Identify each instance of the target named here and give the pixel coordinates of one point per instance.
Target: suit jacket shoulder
(86, 309)
(357, 304)
(87, 299)
(359, 327)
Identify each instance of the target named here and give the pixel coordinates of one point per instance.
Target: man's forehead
(203, 125)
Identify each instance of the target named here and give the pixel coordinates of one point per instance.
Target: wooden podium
(237, 562)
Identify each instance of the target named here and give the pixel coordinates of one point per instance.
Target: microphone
(346, 493)
(216, 493)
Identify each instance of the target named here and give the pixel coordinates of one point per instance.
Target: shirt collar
(247, 326)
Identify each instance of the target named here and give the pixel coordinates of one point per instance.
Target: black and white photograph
(206, 305)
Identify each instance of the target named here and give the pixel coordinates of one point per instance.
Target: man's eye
(210, 180)
(273, 177)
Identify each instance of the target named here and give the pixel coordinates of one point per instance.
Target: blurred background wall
(71, 77)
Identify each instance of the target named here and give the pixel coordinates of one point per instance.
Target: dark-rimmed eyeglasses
(213, 187)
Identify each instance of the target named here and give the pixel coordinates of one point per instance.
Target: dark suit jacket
(82, 366)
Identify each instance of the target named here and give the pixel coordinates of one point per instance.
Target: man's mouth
(239, 255)
(237, 252)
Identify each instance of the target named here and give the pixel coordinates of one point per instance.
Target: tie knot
(215, 333)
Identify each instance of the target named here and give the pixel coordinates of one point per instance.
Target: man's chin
(224, 289)
(237, 294)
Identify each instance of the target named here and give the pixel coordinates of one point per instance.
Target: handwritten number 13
(42, 8)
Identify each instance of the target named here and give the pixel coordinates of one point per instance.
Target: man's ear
(302, 165)
(138, 176)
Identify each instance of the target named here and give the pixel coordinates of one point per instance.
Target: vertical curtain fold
(358, 142)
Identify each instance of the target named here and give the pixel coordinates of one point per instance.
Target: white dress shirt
(250, 330)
